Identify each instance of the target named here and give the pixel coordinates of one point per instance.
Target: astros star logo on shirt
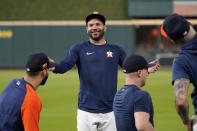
(109, 53)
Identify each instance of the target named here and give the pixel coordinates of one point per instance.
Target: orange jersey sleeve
(30, 110)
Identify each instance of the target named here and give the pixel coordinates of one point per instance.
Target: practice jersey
(20, 107)
(97, 68)
(185, 66)
(127, 101)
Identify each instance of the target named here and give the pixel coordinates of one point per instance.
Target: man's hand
(153, 66)
(51, 64)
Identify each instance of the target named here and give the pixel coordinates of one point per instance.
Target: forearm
(62, 67)
(183, 112)
(181, 100)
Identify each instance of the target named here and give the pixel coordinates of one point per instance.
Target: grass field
(59, 98)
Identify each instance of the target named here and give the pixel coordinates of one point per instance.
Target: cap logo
(95, 12)
(185, 33)
(176, 26)
(18, 83)
(28, 69)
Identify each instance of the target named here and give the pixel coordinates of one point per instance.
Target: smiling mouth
(95, 31)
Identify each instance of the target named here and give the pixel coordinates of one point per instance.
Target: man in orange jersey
(20, 105)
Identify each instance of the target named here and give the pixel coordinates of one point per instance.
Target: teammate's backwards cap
(96, 15)
(175, 26)
(37, 62)
(133, 63)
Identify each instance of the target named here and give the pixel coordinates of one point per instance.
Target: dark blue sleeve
(69, 61)
(122, 55)
(142, 102)
(179, 69)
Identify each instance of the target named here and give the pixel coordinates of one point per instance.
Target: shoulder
(181, 58)
(113, 45)
(14, 93)
(180, 61)
(79, 45)
(17, 85)
(82, 43)
(117, 48)
(32, 99)
(141, 95)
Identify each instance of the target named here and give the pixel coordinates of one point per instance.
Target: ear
(86, 29)
(105, 28)
(42, 73)
(164, 34)
(139, 73)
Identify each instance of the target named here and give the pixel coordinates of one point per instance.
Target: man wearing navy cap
(132, 106)
(97, 61)
(184, 69)
(20, 105)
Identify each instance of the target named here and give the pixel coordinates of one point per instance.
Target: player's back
(10, 102)
(184, 66)
(124, 108)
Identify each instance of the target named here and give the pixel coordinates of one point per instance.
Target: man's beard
(44, 80)
(143, 83)
(96, 37)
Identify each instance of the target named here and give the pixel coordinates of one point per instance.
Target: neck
(133, 81)
(32, 80)
(189, 36)
(99, 42)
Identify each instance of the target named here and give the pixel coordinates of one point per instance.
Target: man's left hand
(153, 66)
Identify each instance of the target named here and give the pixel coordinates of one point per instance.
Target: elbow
(181, 102)
(142, 126)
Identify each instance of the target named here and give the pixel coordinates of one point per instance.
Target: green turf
(59, 98)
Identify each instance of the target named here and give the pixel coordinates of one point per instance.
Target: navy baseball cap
(175, 26)
(36, 61)
(96, 15)
(133, 63)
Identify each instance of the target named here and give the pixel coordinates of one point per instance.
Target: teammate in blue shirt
(97, 61)
(20, 104)
(184, 70)
(132, 106)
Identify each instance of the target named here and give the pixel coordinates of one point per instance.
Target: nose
(94, 26)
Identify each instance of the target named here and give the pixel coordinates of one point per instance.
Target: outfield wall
(19, 39)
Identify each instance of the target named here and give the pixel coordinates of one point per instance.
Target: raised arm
(67, 63)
